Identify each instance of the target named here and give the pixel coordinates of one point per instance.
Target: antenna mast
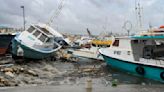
(56, 13)
(138, 9)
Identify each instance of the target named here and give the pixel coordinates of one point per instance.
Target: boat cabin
(139, 47)
(38, 37)
(41, 33)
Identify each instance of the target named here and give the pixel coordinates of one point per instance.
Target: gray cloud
(77, 15)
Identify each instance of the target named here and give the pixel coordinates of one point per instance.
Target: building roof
(2, 26)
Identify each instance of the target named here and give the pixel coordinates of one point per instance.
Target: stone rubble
(44, 72)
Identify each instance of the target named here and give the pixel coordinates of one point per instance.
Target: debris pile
(64, 54)
(45, 72)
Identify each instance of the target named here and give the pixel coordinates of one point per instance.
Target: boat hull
(147, 71)
(5, 42)
(28, 52)
(87, 54)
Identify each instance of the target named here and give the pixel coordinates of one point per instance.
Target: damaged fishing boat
(37, 42)
(5, 43)
(141, 55)
(90, 49)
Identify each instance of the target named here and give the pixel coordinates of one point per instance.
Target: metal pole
(24, 23)
(128, 32)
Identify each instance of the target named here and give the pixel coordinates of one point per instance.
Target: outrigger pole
(57, 12)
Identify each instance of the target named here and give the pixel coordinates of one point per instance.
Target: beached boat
(5, 42)
(90, 49)
(37, 42)
(141, 55)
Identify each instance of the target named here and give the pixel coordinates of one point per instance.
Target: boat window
(36, 33)
(135, 41)
(116, 43)
(31, 29)
(42, 37)
(44, 30)
(49, 40)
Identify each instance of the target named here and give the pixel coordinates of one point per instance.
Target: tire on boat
(140, 70)
(162, 75)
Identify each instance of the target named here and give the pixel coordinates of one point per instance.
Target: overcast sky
(77, 15)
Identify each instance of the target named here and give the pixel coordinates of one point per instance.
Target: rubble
(7, 70)
(65, 55)
(32, 73)
(6, 60)
(45, 72)
(10, 74)
(90, 70)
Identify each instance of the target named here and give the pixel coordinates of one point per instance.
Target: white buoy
(20, 51)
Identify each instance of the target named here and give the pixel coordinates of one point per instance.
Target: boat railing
(152, 33)
(152, 61)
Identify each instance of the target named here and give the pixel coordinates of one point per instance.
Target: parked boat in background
(5, 43)
(37, 42)
(141, 55)
(152, 32)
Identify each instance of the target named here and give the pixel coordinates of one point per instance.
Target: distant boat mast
(138, 9)
(56, 13)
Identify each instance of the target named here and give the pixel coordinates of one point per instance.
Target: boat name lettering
(117, 52)
(128, 53)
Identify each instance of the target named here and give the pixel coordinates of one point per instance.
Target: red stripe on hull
(3, 51)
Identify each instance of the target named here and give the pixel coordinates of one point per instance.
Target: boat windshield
(43, 38)
(49, 40)
(30, 29)
(44, 30)
(36, 33)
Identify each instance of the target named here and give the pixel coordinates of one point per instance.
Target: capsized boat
(37, 42)
(141, 55)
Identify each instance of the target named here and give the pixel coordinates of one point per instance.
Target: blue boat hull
(28, 52)
(147, 71)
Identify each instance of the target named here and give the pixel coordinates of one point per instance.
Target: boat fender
(140, 70)
(20, 51)
(162, 75)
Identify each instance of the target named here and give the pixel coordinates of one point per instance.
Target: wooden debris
(31, 73)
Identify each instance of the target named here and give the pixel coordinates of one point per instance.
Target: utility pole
(24, 22)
